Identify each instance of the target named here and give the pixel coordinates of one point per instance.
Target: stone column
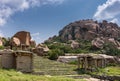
(78, 62)
(86, 63)
(95, 60)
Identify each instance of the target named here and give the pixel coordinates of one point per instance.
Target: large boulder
(75, 44)
(23, 36)
(41, 50)
(114, 42)
(67, 59)
(15, 41)
(100, 42)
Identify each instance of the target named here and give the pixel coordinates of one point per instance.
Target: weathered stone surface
(24, 37)
(88, 30)
(74, 44)
(100, 41)
(67, 59)
(45, 48)
(15, 41)
(41, 50)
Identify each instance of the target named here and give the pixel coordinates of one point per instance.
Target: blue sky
(44, 18)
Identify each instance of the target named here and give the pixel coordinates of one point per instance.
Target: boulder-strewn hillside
(88, 30)
(87, 36)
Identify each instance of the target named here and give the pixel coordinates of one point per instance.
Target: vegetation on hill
(93, 37)
(61, 48)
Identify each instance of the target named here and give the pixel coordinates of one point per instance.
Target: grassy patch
(111, 70)
(51, 67)
(12, 75)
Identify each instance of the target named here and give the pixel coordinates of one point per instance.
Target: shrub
(111, 49)
(1, 47)
(53, 54)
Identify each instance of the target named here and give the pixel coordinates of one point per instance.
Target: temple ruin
(19, 60)
(92, 61)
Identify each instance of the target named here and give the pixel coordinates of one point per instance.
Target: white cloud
(108, 11)
(115, 20)
(9, 7)
(35, 35)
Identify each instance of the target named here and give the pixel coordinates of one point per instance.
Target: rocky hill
(88, 36)
(88, 30)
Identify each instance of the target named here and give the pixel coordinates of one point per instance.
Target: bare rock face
(74, 44)
(88, 30)
(67, 59)
(22, 37)
(100, 41)
(15, 41)
(41, 50)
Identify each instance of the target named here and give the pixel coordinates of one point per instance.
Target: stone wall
(7, 60)
(24, 63)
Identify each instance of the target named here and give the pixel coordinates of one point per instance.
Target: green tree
(53, 54)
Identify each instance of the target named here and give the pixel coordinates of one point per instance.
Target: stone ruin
(93, 61)
(90, 61)
(19, 60)
(22, 41)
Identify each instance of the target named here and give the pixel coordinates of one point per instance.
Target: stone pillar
(95, 60)
(86, 63)
(79, 62)
(103, 65)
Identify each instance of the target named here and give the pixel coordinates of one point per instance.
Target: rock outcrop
(74, 44)
(22, 41)
(100, 42)
(21, 38)
(15, 41)
(41, 50)
(88, 30)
